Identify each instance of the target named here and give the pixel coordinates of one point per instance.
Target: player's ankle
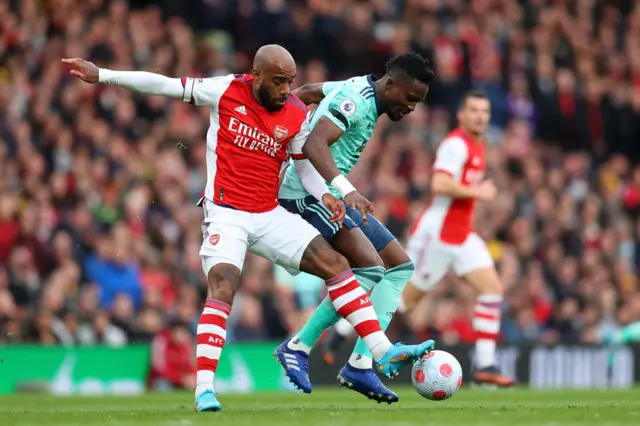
(361, 362)
(295, 344)
(380, 349)
(202, 387)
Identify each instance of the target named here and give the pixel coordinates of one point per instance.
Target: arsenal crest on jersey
(214, 239)
(279, 133)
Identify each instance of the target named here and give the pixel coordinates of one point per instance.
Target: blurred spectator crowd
(99, 232)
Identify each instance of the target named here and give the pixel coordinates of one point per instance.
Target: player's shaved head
(273, 70)
(273, 55)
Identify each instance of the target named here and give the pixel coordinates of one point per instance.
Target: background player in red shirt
(254, 119)
(443, 237)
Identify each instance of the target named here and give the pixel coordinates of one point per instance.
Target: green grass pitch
(327, 407)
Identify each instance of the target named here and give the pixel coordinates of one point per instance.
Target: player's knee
(365, 259)
(353, 244)
(489, 282)
(321, 260)
(331, 263)
(485, 281)
(493, 286)
(223, 282)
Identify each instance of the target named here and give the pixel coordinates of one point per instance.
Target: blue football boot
(367, 383)
(399, 355)
(296, 366)
(207, 401)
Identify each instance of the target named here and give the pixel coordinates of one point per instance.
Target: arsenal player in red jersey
(255, 121)
(443, 238)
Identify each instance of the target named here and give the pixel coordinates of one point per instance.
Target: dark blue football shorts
(318, 215)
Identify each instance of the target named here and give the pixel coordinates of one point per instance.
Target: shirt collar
(372, 79)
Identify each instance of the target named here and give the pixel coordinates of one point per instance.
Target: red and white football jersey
(452, 218)
(246, 143)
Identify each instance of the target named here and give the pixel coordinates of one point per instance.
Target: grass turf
(327, 407)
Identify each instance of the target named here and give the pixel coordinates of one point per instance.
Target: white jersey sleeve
(205, 91)
(309, 176)
(198, 91)
(143, 82)
(451, 157)
(298, 141)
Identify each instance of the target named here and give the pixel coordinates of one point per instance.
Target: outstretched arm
(199, 91)
(140, 81)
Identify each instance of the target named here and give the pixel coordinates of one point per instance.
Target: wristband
(343, 185)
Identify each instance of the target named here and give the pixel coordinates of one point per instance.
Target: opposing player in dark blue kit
(341, 125)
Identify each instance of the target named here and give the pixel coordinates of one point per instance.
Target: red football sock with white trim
(353, 304)
(212, 333)
(486, 323)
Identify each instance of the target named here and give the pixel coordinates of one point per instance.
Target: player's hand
(487, 190)
(84, 70)
(358, 202)
(335, 206)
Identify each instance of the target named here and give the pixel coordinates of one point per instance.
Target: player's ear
(256, 74)
(388, 85)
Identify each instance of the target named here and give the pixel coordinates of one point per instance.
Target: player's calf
(223, 280)
(486, 322)
(348, 298)
(487, 313)
(484, 280)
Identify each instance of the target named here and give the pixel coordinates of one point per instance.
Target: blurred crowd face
(180, 334)
(150, 321)
(474, 115)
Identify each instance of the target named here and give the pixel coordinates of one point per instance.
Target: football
(437, 376)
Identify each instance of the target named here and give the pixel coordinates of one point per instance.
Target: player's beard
(267, 100)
